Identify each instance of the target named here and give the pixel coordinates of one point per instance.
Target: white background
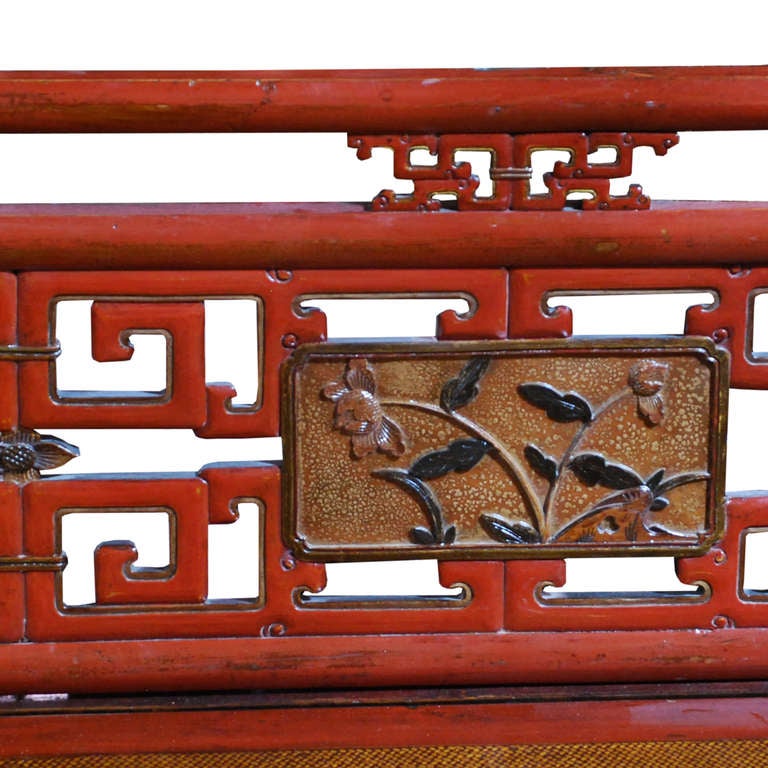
(290, 35)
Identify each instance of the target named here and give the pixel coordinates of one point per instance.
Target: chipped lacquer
(504, 450)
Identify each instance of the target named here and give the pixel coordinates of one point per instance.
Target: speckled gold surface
(338, 507)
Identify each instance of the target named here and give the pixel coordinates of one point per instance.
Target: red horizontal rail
(386, 101)
(386, 661)
(337, 235)
(394, 725)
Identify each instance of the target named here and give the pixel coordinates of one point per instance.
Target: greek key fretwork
(173, 305)
(511, 170)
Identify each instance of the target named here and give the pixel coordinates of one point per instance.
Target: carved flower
(646, 380)
(359, 414)
(24, 453)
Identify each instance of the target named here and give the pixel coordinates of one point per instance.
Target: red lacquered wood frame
(389, 101)
(550, 717)
(148, 268)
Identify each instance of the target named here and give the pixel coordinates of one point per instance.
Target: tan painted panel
(504, 449)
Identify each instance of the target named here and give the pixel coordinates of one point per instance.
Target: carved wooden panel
(505, 450)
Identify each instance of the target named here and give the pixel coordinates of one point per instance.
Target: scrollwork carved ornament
(511, 170)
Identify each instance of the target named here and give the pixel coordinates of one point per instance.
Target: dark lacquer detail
(562, 407)
(593, 469)
(502, 530)
(459, 456)
(540, 463)
(438, 532)
(464, 388)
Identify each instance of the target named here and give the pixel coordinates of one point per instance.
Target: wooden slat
(336, 235)
(682, 722)
(514, 658)
(379, 101)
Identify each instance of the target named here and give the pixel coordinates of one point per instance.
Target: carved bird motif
(620, 516)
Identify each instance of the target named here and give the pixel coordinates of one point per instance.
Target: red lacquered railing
(149, 268)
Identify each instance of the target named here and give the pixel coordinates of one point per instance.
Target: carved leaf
(683, 479)
(560, 407)
(657, 528)
(502, 530)
(52, 452)
(593, 469)
(464, 388)
(542, 464)
(635, 500)
(458, 456)
(653, 481)
(423, 494)
(423, 536)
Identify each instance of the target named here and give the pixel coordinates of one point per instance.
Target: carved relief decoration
(24, 452)
(505, 450)
(511, 171)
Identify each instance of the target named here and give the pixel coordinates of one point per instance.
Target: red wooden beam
(338, 235)
(398, 724)
(385, 661)
(386, 101)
